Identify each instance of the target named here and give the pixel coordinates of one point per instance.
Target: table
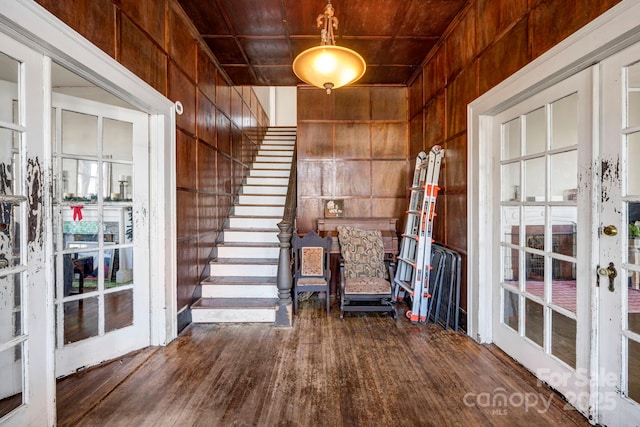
(82, 266)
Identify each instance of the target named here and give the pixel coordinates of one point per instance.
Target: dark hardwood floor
(365, 370)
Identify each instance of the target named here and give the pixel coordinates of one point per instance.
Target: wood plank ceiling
(255, 41)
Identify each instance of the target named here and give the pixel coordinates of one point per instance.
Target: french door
(567, 301)
(27, 384)
(542, 298)
(619, 258)
(101, 231)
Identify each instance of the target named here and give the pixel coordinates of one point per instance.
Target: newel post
(284, 314)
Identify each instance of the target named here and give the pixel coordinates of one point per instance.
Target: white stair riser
(263, 189)
(282, 173)
(244, 199)
(243, 270)
(236, 315)
(283, 138)
(277, 146)
(284, 153)
(267, 181)
(254, 223)
(273, 159)
(250, 236)
(272, 166)
(239, 291)
(258, 210)
(263, 252)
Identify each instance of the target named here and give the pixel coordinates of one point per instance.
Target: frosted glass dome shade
(329, 66)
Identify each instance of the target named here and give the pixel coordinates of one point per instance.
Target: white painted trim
(272, 106)
(163, 234)
(50, 361)
(595, 398)
(479, 231)
(611, 32)
(29, 23)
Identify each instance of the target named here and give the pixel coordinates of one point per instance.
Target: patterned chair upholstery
(364, 275)
(311, 265)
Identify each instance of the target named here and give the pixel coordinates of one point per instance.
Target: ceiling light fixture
(329, 66)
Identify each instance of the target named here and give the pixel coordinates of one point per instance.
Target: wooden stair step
(239, 287)
(239, 280)
(248, 245)
(234, 310)
(242, 286)
(235, 303)
(256, 261)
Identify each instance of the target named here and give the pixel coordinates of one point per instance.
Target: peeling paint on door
(35, 193)
(609, 176)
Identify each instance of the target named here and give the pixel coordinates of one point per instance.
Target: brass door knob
(610, 230)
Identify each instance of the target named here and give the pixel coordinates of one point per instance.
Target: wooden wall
(356, 144)
(490, 40)
(352, 145)
(219, 131)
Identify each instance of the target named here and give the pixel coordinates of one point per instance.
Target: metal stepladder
(414, 259)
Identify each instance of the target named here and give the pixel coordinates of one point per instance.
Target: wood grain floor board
(365, 370)
(79, 392)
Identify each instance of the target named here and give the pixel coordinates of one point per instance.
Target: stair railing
(284, 314)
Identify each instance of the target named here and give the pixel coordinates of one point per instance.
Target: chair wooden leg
(328, 301)
(295, 301)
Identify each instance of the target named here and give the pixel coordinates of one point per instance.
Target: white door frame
(572, 382)
(104, 346)
(31, 24)
(608, 34)
(35, 379)
(618, 407)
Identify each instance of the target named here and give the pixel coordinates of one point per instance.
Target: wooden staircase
(242, 282)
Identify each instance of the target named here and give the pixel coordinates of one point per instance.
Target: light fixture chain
(329, 21)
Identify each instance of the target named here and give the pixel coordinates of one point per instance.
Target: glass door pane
(12, 270)
(547, 222)
(632, 204)
(541, 300)
(633, 260)
(95, 216)
(94, 163)
(102, 303)
(631, 197)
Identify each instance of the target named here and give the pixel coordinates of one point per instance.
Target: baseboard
(462, 320)
(184, 319)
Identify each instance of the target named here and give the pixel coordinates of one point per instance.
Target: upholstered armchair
(365, 277)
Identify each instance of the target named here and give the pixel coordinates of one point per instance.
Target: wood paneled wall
(352, 145)
(490, 40)
(217, 135)
(357, 144)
